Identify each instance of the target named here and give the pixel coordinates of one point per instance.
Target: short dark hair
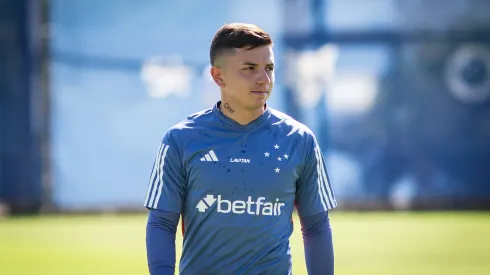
(237, 35)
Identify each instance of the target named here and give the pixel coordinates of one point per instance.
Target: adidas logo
(211, 156)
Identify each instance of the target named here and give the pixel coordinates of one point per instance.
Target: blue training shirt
(236, 188)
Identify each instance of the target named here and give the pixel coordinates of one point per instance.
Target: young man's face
(248, 77)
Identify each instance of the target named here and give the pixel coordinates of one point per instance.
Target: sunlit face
(246, 77)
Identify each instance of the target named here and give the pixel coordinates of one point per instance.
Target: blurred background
(397, 91)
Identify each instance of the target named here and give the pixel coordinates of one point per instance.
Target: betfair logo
(250, 206)
(205, 203)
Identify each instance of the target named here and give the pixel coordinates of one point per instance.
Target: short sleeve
(314, 193)
(166, 189)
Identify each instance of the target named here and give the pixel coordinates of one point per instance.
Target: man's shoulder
(289, 125)
(190, 125)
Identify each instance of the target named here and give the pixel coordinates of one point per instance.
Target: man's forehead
(259, 55)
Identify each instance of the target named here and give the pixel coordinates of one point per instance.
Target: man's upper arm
(314, 192)
(166, 189)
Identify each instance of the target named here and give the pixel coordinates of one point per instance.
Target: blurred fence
(397, 91)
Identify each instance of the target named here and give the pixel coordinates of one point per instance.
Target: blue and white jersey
(236, 187)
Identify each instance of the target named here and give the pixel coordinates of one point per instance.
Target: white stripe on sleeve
(160, 177)
(326, 188)
(319, 179)
(153, 175)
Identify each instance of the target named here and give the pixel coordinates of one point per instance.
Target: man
(235, 172)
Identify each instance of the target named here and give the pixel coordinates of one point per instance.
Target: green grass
(365, 243)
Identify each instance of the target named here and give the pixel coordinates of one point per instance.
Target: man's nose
(263, 78)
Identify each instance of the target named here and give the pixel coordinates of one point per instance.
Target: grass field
(365, 243)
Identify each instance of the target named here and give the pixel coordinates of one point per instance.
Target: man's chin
(257, 104)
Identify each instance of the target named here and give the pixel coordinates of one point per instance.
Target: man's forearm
(160, 242)
(318, 244)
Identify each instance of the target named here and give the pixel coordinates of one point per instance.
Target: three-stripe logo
(211, 156)
(156, 180)
(324, 190)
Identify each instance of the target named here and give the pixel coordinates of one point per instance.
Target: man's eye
(249, 68)
(270, 68)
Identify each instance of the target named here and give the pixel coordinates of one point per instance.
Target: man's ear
(217, 76)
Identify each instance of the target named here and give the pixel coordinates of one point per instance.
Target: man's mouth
(259, 92)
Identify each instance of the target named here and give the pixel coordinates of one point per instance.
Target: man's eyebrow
(248, 63)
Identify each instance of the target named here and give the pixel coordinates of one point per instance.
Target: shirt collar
(237, 126)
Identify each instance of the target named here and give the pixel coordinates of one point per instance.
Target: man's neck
(240, 115)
